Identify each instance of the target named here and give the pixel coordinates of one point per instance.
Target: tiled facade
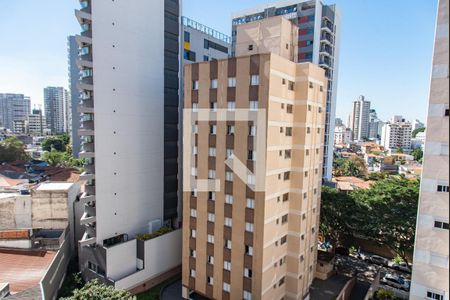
(238, 243)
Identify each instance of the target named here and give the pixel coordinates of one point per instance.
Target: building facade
(342, 135)
(318, 42)
(255, 237)
(129, 91)
(73, 114)
(396, 135)
(13, 107)
(201, 43)
(360, 119)
(430, 278)
(55, 107)
(375, 125)
(36, 123)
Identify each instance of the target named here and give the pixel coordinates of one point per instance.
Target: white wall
(20, 244)
(121, 260)
(129, 184)
(161, 255)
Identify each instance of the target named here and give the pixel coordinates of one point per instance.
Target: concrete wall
(121, 260)
(49, 209)
(15, 212)
(53, 278)
(161, 255)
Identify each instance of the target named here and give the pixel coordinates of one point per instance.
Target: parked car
(395, 281)
(378, 260)
(403, 267)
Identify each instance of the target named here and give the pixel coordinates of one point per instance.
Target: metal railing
(206, 30)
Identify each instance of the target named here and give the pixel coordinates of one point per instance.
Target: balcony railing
(89, 189)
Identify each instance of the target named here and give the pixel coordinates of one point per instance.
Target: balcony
(84, 15)
(327, 39)
(87, 219)
(327, 27)
(85, 61)
(88, 151)
(87, 240)
(83, 41)
(86, 106)
(86, 6)
(87, 125)
(90, 210)
(90, 189)
(86, 175)
(85, 198)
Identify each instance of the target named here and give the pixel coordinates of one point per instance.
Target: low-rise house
(349, 183)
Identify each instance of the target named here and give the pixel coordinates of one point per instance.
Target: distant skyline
(386, 48)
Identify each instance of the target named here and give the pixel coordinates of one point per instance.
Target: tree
(387, 213)
(62, 159)
(383, 294)
(354, 166)
(418, 154)
(95, 290)
(399, 150)
(58, 143)
(12, 149)
(417, 131)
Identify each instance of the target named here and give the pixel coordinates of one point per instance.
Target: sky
(386, 48)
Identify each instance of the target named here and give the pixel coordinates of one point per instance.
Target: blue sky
(386, 48)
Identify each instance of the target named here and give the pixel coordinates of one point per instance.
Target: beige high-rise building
(430, 279)
(253, 238)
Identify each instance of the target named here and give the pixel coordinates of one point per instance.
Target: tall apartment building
(360, 119)
(129, 91)
(430, 278)
(13, 107)
(55, 107)
(416, 124)
(202, 43)
(396, 135)
(73, 72)
(342, 135)
(318, 38)
(37, 123)
(255, 235)
(375, 125)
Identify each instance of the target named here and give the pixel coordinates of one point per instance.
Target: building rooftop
(54, 186)
(24, 269)
(206, 30)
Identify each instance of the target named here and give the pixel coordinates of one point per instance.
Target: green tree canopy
(57, 143)
(12, 149)
(95, 290)
(353, 166)
(62, 159)
(418, 154)
(417, 131)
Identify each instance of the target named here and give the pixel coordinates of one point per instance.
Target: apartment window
(250, 203)
(288, 131)
(229, 153)
(248, 273)
(232, 82)
(187, 36)
(212, 152)
(254, 80)
(320, 110)
(213, 129)
(227, 265)
(309, 107)
(283, 240)
(283, 81)
(253, 105)
(193, 253)
(250, 47)
(305, 195)
(286, 176)
(251, 155)
(229, 199)
(315, 191)
(311, 85)
(308, 130)
(281, 129)
(194, 193)
(317, 151)
(249, 227)
(302, 258)
(303, 217)
(210, 239)
(447, 112)
(318, 130)
(252, 130)
(229, 176)
(247, 295)
(226, 287)
(282, 105)
(195, 85)
(291, 86)
(212, 196)
(286, 197)
(321, 88)
(284, 219)
(287, 154)
(205, 58)
(211, 217)
(210, 280)
(290, 108)
(231, 105)
(251, 179)
(195, 129)
(443, 188)
(193, 233)
(302, 237)
(281, 282)
(210, 259)
(249, 250)
(193, 273)
(441, 225)
(193, 213)
(211, 174)
(228, 222)
(230, 130)
(213, 106)
(434, 296)
(306, 173)
(91, 266)
(313, 230)
(214, 83)
(227, 244)
(307, 152)
(194, 107)
(194, 150)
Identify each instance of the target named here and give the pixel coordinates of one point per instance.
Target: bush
(95, 290)
(148, 236)
(383, 294)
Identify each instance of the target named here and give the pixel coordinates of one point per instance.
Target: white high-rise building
(13, 108)
(430, 277)
(396, 135)
(360, 119)
(129, 90)
(342, 135)
(319, 27)
(56, 100)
